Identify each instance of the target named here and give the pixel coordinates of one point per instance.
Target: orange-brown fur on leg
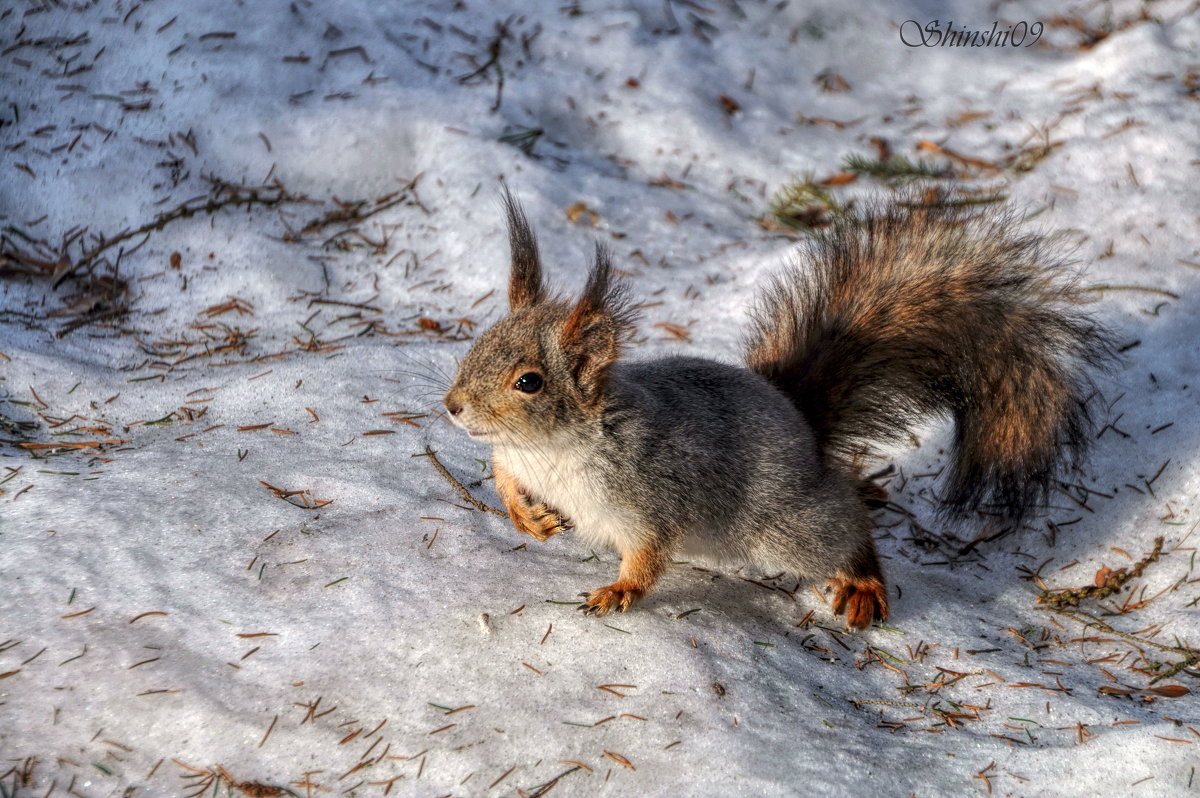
(859, 591)
(861, 599)
(640, 569)
(535, 519)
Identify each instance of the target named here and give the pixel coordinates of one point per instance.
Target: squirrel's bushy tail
(903, 313)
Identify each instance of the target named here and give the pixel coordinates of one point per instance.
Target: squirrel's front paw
(862, 599)
(619, 597)
(537, 520)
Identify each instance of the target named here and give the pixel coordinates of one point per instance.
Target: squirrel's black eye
(529, 382)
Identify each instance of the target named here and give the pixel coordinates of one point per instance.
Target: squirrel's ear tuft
(525, 280)
(599, 323)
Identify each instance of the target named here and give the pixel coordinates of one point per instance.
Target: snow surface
(281, 637)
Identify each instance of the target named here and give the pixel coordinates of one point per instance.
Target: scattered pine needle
(620, 760)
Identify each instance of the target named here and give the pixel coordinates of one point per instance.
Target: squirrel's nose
(455, 407)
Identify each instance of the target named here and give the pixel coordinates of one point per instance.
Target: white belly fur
(559, 477)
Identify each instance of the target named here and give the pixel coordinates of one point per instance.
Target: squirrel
(906, 311)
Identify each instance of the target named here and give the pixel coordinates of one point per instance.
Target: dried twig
(1191, 656)
(458, 486)
(1112, 582)
(494, 50)
(234, 196)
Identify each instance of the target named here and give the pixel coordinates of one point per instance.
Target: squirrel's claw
(862, 599)
(612, 597)
(534, 518)
(539, 520)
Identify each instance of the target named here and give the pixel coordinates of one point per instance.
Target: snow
(279, 637)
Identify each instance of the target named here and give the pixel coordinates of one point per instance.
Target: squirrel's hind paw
(617, 597)
(862, 599)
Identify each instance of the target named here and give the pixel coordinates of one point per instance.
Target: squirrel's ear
(597, 325)
(525, 280)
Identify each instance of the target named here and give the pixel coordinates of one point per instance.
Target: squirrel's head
(541, 369)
